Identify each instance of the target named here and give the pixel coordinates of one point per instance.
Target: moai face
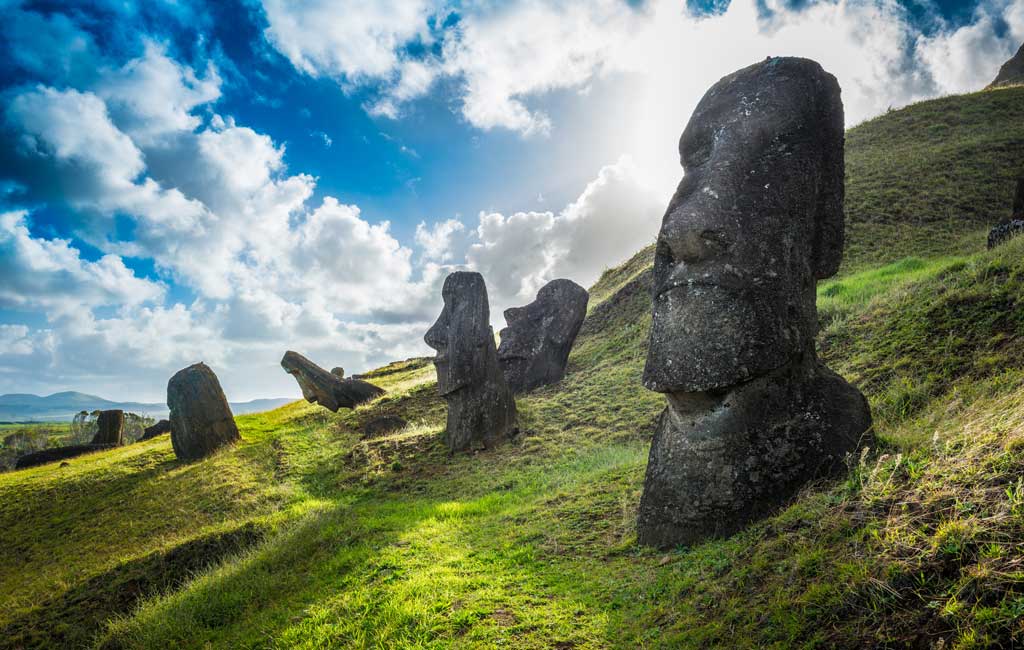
(756, 220)
(461, 332)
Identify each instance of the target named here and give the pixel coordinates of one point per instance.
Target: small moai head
(755, 221)
(461, 332)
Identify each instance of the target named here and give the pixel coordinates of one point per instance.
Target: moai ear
(829, 217)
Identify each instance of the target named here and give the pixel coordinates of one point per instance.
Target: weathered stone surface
(382, 425)
(201, 420)
(1012, 227)
(338, 372)
(481, 409)
(536, 344)
(756, 220)
(325, 388)
(160, 428)
(57, 453)
(1011, 72)
(109, 428)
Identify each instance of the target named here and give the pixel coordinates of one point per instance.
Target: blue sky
(224, 181)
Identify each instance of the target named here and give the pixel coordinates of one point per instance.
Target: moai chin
(751, 413)
(481, 409)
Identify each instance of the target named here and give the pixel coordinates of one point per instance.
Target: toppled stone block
(160, 428)
(325, 388)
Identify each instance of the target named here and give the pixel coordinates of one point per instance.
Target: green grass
(307, 535)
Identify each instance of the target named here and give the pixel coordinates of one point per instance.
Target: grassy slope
(389, 543)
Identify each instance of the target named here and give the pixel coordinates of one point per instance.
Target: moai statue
(756, 221)
(109, 428)
(535, 346)
(201, 420)
(481, 409)
(328, 389)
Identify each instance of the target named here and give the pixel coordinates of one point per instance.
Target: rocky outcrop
(201, 420)
(1011, 72)
(109, 428)
(481, 409)
(160, 428)
(536, 343)
(326, 388)
(1012, 227)
(751, 414)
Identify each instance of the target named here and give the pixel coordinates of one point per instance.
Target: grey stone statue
(536, 344)
(481, 409)
(757, 219)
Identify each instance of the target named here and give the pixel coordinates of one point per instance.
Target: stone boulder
(1012, 227)
(481, 408)
(536, 343)
(1011, 72)
(751, 414)
(382, 425)
(201, 420)
(160, 428)
(109, 428)
(325, 388)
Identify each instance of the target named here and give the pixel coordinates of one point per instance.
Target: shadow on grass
(73, 619)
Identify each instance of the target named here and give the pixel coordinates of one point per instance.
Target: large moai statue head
(757, 218)
(481, 410)
(201, 420)
(535, 346)
(751, 414)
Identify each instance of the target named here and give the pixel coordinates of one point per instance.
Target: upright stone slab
(326, 388)
(751, 413)
(481, 409)
(1010, 228)
(201, 420)
(535, 346)
(109, 428)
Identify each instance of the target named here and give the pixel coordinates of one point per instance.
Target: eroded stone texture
(756, 220)
(201, 420)
(160, 428)
(326, 388)
(536, 344)
(338, 372)
(109, 428)
(481, 409)
(57, 453)
(1012, 227)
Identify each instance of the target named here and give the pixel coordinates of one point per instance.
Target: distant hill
(23, 407)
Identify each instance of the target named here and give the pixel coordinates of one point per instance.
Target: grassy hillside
(308, 535)
(933, 177)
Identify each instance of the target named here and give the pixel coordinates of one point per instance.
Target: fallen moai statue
(751, 413)
(1012, 227)
(201, 420)
(536, 343)
(109, 428)
(325, 388)
(160, 428)
(481, 409)
(57, 453)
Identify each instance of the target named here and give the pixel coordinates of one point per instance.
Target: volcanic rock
(160, 428)
(201, 420)
(109, 428)
(535, 346)
(751, 414)
(481, 409)
(57, 453)
(1012, 227)
(1011, 72)
(325, 388)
